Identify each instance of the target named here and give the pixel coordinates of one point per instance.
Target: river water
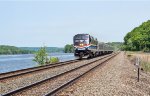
(15, 62)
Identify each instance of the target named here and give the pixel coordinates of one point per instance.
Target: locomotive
(87, 45)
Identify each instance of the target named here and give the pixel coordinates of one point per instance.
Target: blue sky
(54, 23)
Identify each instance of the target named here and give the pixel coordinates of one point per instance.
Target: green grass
(145, 66)
(145, 63)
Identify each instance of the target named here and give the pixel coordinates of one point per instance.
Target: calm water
(16, 62)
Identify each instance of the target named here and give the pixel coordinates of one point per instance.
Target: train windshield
(81, 37)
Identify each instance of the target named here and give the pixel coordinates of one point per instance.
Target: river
(16, 62)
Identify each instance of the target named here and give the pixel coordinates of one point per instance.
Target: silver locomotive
(87, 45)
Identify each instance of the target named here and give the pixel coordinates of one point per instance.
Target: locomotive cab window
(81, 39)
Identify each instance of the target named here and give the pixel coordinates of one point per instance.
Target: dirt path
(116, 78)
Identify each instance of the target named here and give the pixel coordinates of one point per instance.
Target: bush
(54, 60)
(41, 57)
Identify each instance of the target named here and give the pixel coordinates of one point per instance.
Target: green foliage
(54, 60)
(68, 48)
(94, 41)
(116, 45)
(41, 56)
(138, 39)
(5, 49)
(48, 49)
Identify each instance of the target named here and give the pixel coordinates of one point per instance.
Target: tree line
(138, 39)
(116, 45)
(5, 49)
(48, 49)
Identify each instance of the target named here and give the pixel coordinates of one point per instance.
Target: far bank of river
(22, 61)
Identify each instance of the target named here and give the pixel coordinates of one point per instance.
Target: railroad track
(16, 73)
(20, 80)
(54, 84)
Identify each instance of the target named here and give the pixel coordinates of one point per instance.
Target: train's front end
(81, 45)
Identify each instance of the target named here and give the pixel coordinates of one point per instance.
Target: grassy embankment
(144, 59)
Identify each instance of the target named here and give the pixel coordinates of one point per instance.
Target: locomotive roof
(82, 34)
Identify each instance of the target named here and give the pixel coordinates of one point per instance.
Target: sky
(36, 23)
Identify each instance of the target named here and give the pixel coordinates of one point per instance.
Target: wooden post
(138, 65)
(138, 74)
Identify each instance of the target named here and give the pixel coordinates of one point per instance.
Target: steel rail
(7, 73)
(34, 69)
(70, 82)
(51, 78)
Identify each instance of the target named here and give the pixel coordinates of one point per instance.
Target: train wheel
(90, 55)
(81, 56)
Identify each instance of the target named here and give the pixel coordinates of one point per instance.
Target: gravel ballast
(9, 85)
(50, 85)
(118, 77)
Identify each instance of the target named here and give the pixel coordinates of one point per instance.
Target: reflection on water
(16, 62)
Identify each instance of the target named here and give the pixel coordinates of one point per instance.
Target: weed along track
(56, 82)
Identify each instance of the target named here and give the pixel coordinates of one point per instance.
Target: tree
(68, 48)
(139, 38)
(41, 56)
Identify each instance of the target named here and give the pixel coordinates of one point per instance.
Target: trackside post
(138, 65)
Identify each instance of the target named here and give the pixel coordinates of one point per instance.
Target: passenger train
(87, 45)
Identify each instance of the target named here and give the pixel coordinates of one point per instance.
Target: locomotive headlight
(81, 44)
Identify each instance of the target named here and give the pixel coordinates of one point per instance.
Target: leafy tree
(95, 41)
(139, 38)
(68, 48)
(41, 56)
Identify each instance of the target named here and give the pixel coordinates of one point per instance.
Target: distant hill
(48, 49)
(5, 49)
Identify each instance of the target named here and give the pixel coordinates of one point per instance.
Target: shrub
(54, 60)
(41, 57)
